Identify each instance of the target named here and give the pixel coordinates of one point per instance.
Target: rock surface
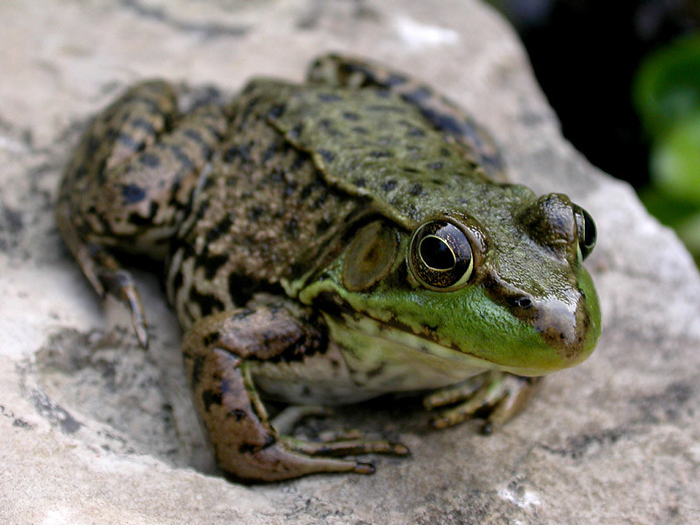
(93, 430)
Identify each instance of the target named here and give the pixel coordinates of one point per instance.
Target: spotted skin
(253, 205)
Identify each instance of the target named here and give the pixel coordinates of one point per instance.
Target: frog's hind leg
(128, 183)
(219, 351)
(443, 114)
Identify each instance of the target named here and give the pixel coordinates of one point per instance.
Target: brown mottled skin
(287, 218)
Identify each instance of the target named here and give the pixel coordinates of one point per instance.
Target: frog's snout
(563, 322)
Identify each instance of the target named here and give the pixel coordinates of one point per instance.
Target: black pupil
(589, 227)
(436, 254)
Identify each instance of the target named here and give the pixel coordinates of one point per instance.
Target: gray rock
(94, 430)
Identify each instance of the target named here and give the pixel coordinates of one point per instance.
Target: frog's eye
(440, 256)
(586, 231)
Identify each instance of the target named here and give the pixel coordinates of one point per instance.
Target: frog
(329, 242)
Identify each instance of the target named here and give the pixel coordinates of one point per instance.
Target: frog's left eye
(440, 256)
(586, 231)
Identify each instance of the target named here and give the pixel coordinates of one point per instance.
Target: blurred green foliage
(666, 94)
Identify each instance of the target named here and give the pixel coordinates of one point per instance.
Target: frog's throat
(364, 334)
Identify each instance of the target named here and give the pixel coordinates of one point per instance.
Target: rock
(94, 430)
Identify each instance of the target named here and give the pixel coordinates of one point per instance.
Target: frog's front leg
(218, 352)
(129, 181)
(501, 394)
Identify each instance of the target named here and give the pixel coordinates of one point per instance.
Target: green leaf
(675, 162)
(666, 90)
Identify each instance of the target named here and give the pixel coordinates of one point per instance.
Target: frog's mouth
(372, 339)
(362, 329)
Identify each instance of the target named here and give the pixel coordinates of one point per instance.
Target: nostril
(522, 302)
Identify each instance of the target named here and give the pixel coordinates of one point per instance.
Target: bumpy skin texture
(289, 219)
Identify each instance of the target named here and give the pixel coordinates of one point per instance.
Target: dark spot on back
(292, 227)
(182, 158)
(329, 97)
(416, 189)
(418, 95)
(236, 151)
(241, 289)
(326, 155)
(276, 111)
(395, 80)
(269, 153)
(210, 339)
(308, 190)
(290, 188)
(209, 398)
(381, 108)
(132, 193)
(435, 166)
(349, 115)
(150, 160)
(208, 304)
(237, 414)
(323, 225)
(295, 132)
(126, 140)
(389, 185)
(328, 126)
(178, 281)
(360, 182)
(381, 154)
(256, 212)
(194, 135)
(212, 265)
(145, 125)
(321, 200)
(446, 123)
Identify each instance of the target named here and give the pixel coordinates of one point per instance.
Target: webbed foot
(500, 394)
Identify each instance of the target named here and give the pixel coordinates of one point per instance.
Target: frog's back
(300, 165)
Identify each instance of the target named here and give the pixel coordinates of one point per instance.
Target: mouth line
(400, 333)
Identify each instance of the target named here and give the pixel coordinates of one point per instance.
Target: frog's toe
(500, 394)
(518, 391)
(284, 460)
(120, 284)
(345, 447)
(292, 415)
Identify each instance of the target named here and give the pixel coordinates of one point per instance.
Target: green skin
(327, 243)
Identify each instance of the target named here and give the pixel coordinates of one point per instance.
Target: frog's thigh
(130, 178)
(217, 352)
(446, 116)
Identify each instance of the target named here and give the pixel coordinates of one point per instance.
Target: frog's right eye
(440, 256)
(586, 230)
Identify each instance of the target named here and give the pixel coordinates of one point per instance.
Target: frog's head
(502, 286)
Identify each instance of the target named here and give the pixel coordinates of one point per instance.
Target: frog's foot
(104, 272)
(501, 394)
(331, 442)
(350, 443)
(220, 353)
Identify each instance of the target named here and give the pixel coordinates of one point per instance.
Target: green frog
(327, 243)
